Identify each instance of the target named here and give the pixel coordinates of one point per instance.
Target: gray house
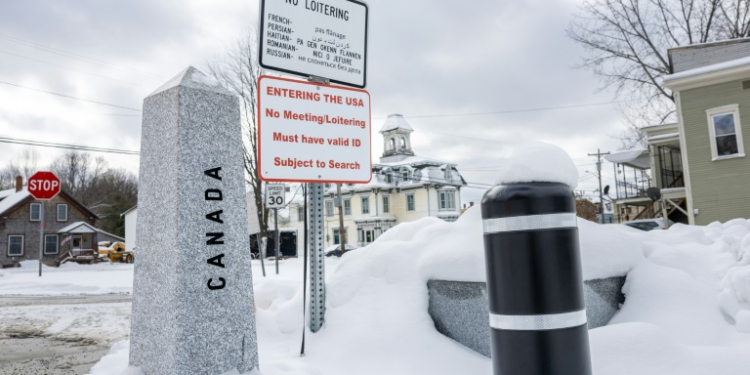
(69, 228)
(698, 163)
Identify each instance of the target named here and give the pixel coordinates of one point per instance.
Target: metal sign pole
(41, 237)
(304, 271)
(276, 237)
(317, 258)
(262, 255)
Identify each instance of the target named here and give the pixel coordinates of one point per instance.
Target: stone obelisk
(192, 288)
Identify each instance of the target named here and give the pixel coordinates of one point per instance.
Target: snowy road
(60, 334)
(18, 300)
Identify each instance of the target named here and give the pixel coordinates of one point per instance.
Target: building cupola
(396, 139)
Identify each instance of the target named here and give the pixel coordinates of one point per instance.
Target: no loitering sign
(308, 132)
(322, 38)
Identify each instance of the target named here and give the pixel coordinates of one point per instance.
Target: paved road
(29, 349)
(21, 300)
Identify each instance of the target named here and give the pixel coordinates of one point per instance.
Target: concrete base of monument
(459, 309)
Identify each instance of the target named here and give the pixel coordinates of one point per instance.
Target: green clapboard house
(699, 163)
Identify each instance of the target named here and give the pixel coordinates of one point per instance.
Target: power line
(507, 111)
(61, 52)
(67, 68)
(66, 146)
(71, 97)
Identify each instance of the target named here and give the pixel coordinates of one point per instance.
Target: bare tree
(24, 165)
(79, 174)
(626, 43)
(238, 71)
(113, 193)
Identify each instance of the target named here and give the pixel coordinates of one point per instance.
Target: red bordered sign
(309, 132)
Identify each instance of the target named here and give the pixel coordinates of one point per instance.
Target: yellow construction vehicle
(115, 252)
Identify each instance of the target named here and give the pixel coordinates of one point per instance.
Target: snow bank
(686, 311)
(455, 251)
(69, 278)
(540, 162)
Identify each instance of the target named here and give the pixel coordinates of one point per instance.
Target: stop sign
(44, 185)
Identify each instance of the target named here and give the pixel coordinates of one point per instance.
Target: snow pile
(540, 162)
(69, 278)
(455, 251)
(687, 306)
(718, 256)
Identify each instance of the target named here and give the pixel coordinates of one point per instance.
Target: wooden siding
(697, 56)
(719, 188)
(17, 222)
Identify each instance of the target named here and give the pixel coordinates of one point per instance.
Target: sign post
(314, 132)
(276, 198)
(43, 186)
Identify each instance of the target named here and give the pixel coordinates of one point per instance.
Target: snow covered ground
(71, 278)
(687, 309)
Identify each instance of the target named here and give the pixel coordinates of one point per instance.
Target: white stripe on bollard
(517, 223)
(538, 322)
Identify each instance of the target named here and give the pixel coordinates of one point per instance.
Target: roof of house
(81, 227)
(78, 227)
(394, 122)
(129, 210)
(636, 158)
(11, 199)
(709, 69)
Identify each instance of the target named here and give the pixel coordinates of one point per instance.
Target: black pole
(534, 282)
(304, 274)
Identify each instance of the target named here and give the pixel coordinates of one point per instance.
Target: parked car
(335, 250)
(648, 224)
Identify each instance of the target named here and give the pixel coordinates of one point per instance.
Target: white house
(131, 216)
(404, 187)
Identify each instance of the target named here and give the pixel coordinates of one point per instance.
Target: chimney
(471, 204)
(19, 183)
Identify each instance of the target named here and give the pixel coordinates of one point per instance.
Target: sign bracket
(321, 80)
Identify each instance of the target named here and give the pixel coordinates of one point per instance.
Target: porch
(649, 182)
(79, 243)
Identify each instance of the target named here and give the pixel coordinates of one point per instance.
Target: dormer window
(405, 175)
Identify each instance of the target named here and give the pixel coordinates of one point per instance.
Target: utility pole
(599, 155)
(342, 232)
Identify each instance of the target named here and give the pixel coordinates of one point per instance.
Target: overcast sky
(433, 61)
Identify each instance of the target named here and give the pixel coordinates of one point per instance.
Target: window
(447, 200)
(386, 204)
(337, 236)
(15, 245)
(35, 212)
(329, 208)
(365, 236)
(403, 143)
(392, 144)
(62, 212)
(404, 175)
(410, 202)
(448, 174)
(50, 244)
(347, 206)
(300, 213)
(365, 205)
(725, 131)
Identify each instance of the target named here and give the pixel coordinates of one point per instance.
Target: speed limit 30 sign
(275, 196)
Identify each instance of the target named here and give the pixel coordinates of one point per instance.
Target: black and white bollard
(534, 281)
